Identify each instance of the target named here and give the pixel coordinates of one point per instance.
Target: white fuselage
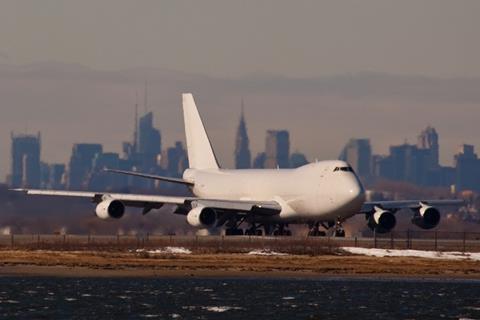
(314, 192)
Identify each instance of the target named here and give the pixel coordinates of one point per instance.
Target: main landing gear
(277, 230)
(253, 230)
(282, 230)
(234, 229)
(338, 231)
(234, 232)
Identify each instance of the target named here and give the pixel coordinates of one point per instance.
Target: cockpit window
(346, 169)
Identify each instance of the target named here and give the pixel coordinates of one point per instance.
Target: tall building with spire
(242, 150)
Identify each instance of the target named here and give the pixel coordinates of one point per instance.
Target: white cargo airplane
(324, 193)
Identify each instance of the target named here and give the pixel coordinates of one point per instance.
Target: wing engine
(202, 217)
(381, 221)
(110, 209)
(426, 217)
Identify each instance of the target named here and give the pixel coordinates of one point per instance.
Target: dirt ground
(142, 264)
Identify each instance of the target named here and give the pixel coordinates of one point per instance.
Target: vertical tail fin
(200, 152)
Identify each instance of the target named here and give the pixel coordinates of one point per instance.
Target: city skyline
(87, 105)
(417, 164)
(145, 127)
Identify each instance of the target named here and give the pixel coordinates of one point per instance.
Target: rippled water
(125, 298)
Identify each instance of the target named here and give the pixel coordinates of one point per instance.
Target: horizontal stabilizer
(151, 176)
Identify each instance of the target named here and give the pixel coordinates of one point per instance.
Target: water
(133, 298)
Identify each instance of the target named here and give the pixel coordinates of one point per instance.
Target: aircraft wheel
(340, 233)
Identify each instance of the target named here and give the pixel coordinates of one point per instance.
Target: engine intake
(110, 209)
(202, 217)
(426, 217)
(382, 221)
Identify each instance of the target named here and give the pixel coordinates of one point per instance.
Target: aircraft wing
(184, 204)
(369, 206)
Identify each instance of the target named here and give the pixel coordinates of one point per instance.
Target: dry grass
(93, 263)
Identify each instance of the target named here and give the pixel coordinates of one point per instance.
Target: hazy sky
(280, 55)
(229, 38)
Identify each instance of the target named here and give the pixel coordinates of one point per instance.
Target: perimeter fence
(416, 240)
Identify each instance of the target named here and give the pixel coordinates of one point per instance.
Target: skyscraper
(277, 149)
(358, 153)
(57, 172)
(81, 164)
(174, 160)
(298, 159)
(259, 161)
(25, 161)
(149, 143)
(100, 180)
(467, 169)
(242, 151)
(428, 140)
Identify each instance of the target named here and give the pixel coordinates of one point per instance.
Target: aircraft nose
(355, 190)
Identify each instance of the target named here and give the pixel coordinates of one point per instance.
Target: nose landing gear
(339, 231)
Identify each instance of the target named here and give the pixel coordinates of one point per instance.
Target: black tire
(239, 232)
(248, 232)
(339, 233)
(233, 232)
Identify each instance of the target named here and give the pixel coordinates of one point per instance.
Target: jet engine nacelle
(381, 220)
(202, 217)
(110, 209)
(426, 217)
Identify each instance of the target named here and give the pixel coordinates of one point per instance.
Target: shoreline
(33, 271)
(44, 263)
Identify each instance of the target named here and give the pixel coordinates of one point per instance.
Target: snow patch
(168, 250)
(449, 255)
(266, 252)
(6, 231)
